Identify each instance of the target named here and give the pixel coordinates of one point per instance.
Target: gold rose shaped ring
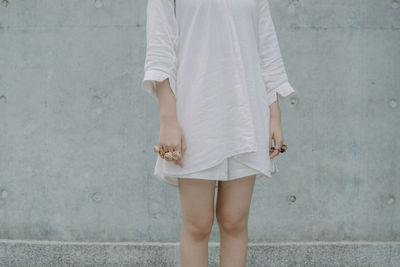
(282, 149)
(171, 156)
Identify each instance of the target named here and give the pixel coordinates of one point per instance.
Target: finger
(275, 151)
(270, 139)
(164, 147)
(161, 148)
(279, 143)
(173, 148)
(180, 162)
(274, 154)
(166, 150)
(183, 145)
(179, 147)
(170, 148)
(159, 145)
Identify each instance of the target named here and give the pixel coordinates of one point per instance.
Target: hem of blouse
(174, 182)
(261, 174)
(284, 91)
(150, 78)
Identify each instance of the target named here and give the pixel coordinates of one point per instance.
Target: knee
(199, 227)
(232, 222)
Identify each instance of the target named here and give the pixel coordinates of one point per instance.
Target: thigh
(197, 199)
(234, 196)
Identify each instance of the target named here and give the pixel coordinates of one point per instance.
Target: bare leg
(197, 205)
(233, 205)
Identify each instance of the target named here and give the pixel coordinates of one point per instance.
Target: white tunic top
(225, 68)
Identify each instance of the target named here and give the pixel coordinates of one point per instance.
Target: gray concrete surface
(76, 132)
(54, 253)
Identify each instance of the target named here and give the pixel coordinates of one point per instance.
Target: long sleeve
(272, 65)
(161, 40)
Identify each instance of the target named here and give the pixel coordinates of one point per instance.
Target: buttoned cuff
(284, 90)
(150, 78)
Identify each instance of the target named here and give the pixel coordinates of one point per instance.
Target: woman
(216, 68)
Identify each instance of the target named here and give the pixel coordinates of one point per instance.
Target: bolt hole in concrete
(395, 4)
(96, 196)
(3, 194)
(390, 199)
(3, 99)
(98, 3)
(96, 99)
(392, 103)
(293, 5)
(5, 3)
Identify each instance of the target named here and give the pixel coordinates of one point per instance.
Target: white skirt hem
(172, 179)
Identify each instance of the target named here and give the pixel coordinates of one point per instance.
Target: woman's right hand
(171, 137)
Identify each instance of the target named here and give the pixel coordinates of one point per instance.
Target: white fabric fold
(284, 91)
(150, 78)
(272, 66)
(162, 35)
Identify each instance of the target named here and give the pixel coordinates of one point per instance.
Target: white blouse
(225, 68)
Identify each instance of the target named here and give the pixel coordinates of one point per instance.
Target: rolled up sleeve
(272, 65)
(161, 44)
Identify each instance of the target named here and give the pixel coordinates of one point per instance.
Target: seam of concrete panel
(308, 243)
(69, 26)
(293, 26)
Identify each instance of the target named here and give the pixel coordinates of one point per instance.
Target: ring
(282, 149)
(171, 156)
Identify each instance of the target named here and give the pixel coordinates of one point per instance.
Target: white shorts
(229, 169)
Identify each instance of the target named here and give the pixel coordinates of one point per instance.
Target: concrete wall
(76, 129)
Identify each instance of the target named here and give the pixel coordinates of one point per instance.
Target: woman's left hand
(275, 129)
